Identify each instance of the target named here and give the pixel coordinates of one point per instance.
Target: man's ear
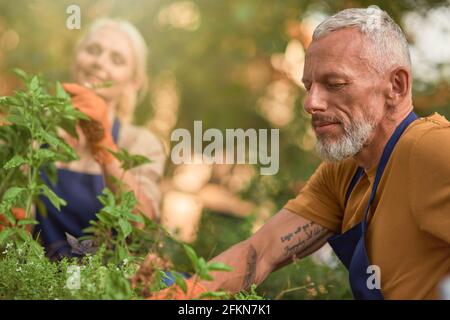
(399, 87)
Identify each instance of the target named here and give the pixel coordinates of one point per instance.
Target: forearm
(283, 239)
(299, 241)
(248, 268)
(114, 173)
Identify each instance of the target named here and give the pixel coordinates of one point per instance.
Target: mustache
(320, 120)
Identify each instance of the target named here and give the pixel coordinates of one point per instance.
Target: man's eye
(307, 86)
(336, 86)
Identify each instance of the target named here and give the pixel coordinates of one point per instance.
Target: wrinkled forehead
(343, 51)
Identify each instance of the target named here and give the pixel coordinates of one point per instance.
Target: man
(382, 195)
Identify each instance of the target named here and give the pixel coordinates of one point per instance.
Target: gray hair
(388, 40)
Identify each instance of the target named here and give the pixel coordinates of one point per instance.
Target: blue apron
(80, 191)
(350, 246)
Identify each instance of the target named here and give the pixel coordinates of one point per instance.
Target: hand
(194, 290)
(98, 130)
(19, 214)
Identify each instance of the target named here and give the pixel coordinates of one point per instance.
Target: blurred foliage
(218, 56)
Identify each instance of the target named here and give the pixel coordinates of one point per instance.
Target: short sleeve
(318, 200)
(142, 142)
(430, 187)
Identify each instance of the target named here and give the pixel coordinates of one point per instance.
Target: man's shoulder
(425, 133)
(430, 141)
(434, 125)
(432, 133)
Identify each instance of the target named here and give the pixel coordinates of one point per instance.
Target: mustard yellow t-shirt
(408, 234)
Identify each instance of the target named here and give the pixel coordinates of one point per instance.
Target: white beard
(348, 145)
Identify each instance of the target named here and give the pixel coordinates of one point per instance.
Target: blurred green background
(231, 64)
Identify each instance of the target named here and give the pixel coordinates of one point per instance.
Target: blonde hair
(130, 98)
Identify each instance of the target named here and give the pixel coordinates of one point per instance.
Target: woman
(115, 52)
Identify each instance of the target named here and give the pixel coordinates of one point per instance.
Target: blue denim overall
(80, 191)
(350, 246)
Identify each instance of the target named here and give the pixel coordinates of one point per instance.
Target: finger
(75, 89)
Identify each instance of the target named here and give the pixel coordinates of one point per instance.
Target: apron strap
(359, 172)
(384, 160)
(115, 130)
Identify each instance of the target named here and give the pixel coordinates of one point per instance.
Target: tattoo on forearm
(250, 270)
(307, 234)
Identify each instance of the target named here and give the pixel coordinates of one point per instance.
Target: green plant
(29, 142)
(111, 257)
(26, 273)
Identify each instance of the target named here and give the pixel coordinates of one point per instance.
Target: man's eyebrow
(327, 75)
(333, 74)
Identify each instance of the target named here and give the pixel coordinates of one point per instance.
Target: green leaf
(5, 234)
(106, 219)
(129, 161)
(203, 269)
(21, 74)
(113, 211)
(12, 194)
(128, 200)
(179, 280)
(134, 217)
(191, 255)
(51, 172)
(211, 294)
(34, 84)
(17, 120)
(56, 142)
(5, 208)
(54, 199)
(126, 228)
(219, 266)
(122, 253)
(69, 126)
(27, 221)
(53, 141)
(89, 229)
(60, 92)
(107, 198)
(12, 101)
(14, 162)
(45, 155)
(24, 235)
(117, 287)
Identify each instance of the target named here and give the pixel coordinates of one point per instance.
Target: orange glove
(98, 130)
(19, 214)
(194, 290)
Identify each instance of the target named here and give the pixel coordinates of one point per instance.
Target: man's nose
(314, 101)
